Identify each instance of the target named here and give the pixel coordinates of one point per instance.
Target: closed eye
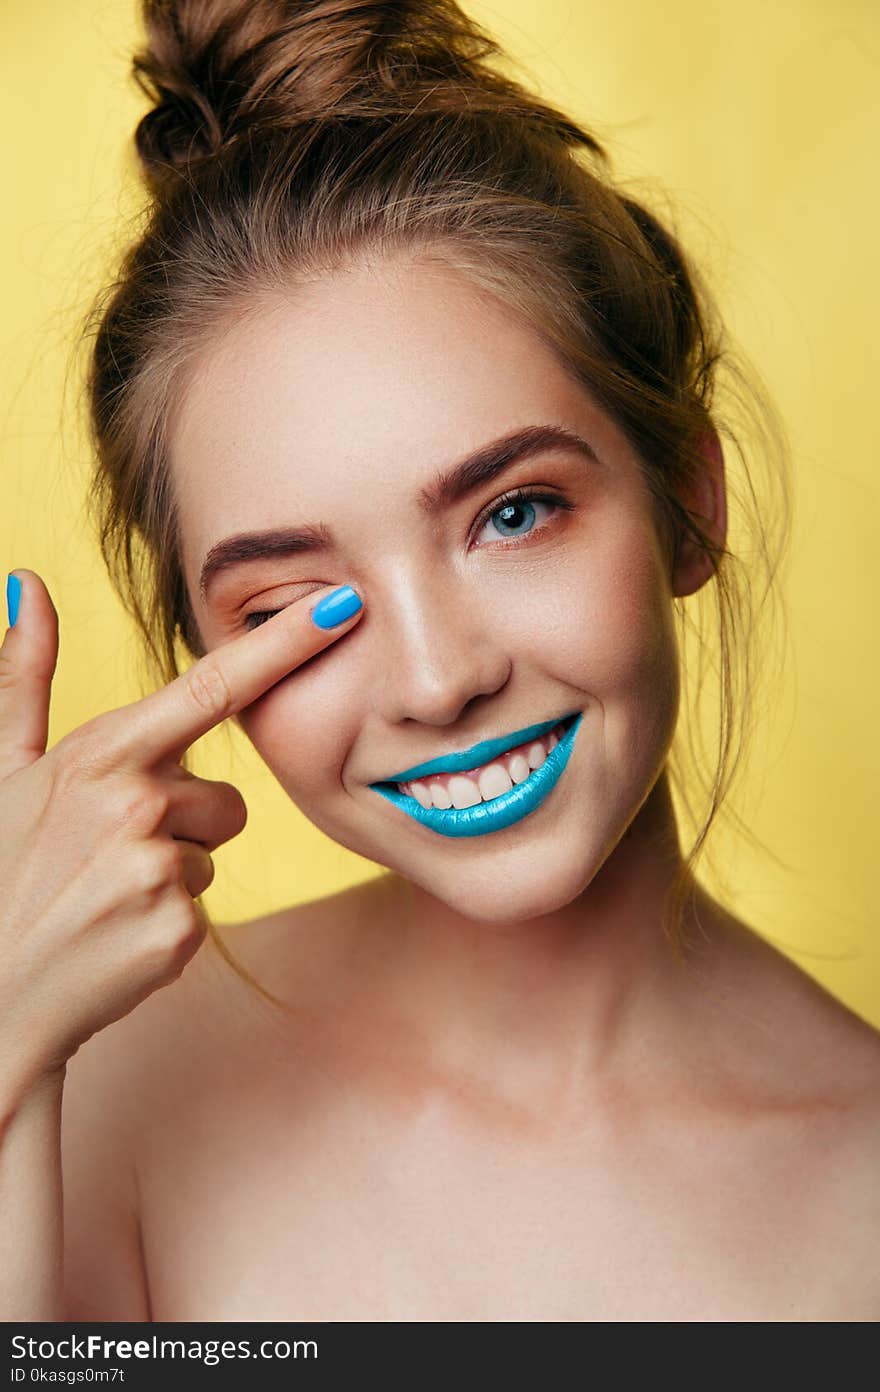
(509, 518)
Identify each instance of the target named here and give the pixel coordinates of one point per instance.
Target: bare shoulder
(220, 1012)
(788, 1081)
(795, 1053)
(807, 1040)
(134, 1080)
(132, 1089)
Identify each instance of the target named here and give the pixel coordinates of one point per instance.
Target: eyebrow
(449, 487)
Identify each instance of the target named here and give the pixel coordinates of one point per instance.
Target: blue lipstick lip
(477, 755)
(497, 813)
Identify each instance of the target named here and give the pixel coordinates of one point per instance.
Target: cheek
(599, 618)
(596, 620)
(603, 625)
(633, 659)
(304, 727)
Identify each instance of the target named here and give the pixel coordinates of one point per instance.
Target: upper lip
(478, 754)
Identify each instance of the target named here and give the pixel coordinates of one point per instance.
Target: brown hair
(288, 137)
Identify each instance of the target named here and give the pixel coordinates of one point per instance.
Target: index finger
(227, 679)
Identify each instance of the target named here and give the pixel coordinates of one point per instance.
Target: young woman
(405, 427)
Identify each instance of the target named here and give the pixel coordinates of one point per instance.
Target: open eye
(514, 514)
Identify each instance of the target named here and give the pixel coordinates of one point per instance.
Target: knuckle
(139, 805)
(78, 754)
(155, 867)
(9, 673)
(183, 931)
(209, 690)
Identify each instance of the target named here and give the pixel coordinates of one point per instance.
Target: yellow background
(761, 122)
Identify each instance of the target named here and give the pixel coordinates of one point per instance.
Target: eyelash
(522, 495)
(514, 495)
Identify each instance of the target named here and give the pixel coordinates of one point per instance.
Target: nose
(440, 652)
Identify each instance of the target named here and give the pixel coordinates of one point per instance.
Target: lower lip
(499, 812)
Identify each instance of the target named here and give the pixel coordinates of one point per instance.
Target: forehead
(371, 378)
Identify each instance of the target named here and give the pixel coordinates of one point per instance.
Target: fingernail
(335, 608)
(13, 598)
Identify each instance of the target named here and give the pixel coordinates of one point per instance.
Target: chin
(497, 880)
(490, 911)
(549, 877)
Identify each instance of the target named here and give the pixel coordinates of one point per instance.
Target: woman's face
(341, 406)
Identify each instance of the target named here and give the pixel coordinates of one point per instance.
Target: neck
(537, 1012)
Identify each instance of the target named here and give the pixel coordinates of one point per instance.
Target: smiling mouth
(502, 767)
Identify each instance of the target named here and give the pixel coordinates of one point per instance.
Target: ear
(706, 500)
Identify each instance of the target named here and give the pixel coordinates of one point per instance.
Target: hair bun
(217, 69)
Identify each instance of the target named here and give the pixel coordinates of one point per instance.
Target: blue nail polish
(335, 608)
(13, 598)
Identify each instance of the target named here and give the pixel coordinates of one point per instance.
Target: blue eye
(513, 515)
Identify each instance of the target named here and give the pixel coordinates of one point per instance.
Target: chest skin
(298, 1196)
(323, 1172)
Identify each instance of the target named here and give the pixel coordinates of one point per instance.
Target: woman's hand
(105, 839)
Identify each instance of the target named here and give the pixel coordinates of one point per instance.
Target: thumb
(28, 656)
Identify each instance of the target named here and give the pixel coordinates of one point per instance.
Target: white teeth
(536, 754)
(493, 781)
(463, 791)
(518, 767)
(419, 792)
(439, 795)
